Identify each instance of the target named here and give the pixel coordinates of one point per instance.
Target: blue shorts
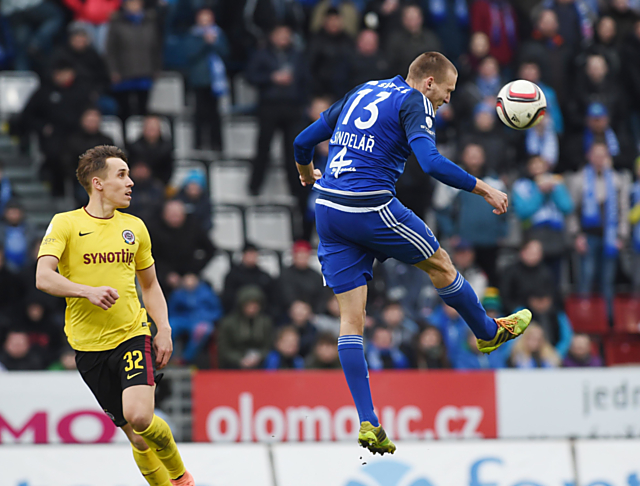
(351, 238)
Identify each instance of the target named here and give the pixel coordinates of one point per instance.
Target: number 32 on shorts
(133, 359)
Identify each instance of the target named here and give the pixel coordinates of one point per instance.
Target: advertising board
(594, 402)
(459, 463)
(113, 465)
(608, 462)
(316, 406)
(51, 407)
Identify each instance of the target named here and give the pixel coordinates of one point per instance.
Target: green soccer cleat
(375, 439)
(509, 328)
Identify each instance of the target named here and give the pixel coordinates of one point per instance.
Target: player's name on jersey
(391, 84)
(353, 140)
(109, 257)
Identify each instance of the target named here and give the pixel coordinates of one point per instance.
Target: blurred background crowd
(569, 249)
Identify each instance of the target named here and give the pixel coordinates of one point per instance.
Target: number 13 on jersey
(339, 163)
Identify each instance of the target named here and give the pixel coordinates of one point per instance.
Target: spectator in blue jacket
(542, 202)
(16, 236)
(460, 214)
(5, 189)
(382, 354)
(453, 329)
(286, 355)
(193, 310)
(206, 47)
(195, 197)
(553, 320)
(468, 357)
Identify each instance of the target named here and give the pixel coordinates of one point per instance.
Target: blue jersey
(373, 126)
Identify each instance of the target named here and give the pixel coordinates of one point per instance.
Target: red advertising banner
(245, 406)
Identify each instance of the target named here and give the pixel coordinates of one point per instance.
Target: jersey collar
(96, 217)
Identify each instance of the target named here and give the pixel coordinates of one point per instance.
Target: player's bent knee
(139, 419)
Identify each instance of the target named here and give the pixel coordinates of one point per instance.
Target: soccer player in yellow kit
(98, 252)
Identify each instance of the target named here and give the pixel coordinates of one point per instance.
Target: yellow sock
(159, 438)
(151, 467)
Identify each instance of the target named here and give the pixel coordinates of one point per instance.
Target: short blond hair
(94, 162)
(431, 64)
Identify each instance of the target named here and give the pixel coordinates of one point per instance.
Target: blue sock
(461, 297)
(351, 351)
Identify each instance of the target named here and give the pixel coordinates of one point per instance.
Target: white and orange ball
(521, 104)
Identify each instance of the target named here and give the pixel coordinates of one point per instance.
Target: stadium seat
(133, 128)
(239, 138)
(269, 261)
(622, 349)
(216, 271)
(167, 95)
(112, 126)
(184, 139)
(626, 314)
(183, 168)
(587, 314)
(228, 230)
(269, 227)
(16, 87)
(275, 189)
(229, 182)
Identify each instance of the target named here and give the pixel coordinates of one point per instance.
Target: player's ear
(96, 183)
(429, 82)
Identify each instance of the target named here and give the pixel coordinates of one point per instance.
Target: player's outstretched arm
(442, 169)
(51, 282)
(156, 306)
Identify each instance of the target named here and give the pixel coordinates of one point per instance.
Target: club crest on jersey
(129, 237)
(428, 121)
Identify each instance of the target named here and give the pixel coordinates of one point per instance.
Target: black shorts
(108, 373)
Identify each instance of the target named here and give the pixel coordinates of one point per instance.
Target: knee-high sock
(151, 467)
(461, 296)
(351, 351)
(159, 438)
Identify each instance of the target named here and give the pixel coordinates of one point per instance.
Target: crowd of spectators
(574, 180)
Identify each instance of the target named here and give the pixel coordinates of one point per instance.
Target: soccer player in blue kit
(372, 131)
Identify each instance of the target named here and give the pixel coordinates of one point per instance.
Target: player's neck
(98, 208)
(417, 85)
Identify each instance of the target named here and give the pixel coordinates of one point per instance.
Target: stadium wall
(274, 407)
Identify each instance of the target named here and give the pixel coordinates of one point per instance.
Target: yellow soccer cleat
(375, 439)
(509, 328)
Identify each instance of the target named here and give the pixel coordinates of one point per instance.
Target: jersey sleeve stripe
(48, 254)
(145, 268)
(428, 108)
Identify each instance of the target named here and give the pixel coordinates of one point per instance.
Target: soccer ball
(521, 104)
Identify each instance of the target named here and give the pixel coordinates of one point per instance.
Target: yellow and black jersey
(100, 252)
